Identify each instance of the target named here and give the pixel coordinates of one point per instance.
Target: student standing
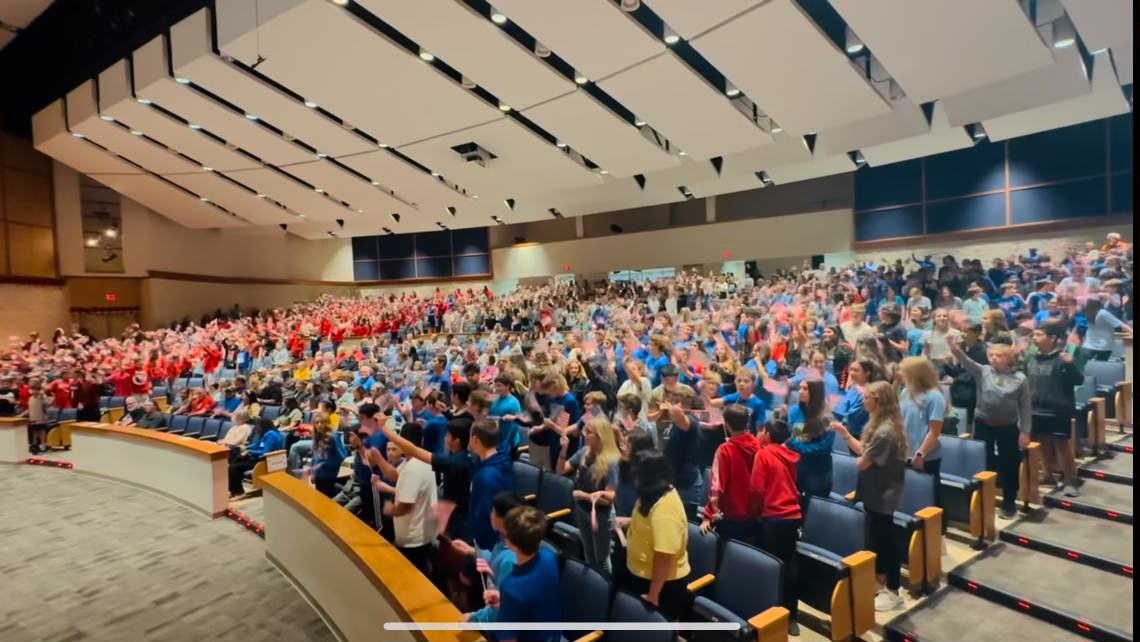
(531, 592)
(1099, 339)
(500, 561)
(812, 440)
(923, 411)
(731, 510)
(1003, 416)
(595, 471)
(413, 509)
(773, 484)
(328, 453)
(658, 539)
(882, 473)
(1053, 377)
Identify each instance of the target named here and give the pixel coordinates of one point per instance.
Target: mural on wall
(102, 228)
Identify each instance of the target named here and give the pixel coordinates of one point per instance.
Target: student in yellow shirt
(658, 538)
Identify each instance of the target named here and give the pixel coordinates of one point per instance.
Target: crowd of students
(697, 398)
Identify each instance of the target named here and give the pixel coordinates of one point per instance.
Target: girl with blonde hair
(595, 470)
(923, 410)
(882, 473)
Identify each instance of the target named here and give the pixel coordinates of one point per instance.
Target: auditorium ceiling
(340, 117)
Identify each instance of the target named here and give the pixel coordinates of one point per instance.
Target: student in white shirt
(413, 509)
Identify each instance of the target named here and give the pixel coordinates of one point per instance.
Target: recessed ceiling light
(560, 144)
(318, 190)
(195, 126)
(671, 38)
(604, 172)
(77, 135)
(639, 123)
(207, 169)
(426, 56)
(629, 6)
(145, 101)
(435, 174)
(251, 116)
(322, 155)
(474, 196)
(682, 153)
(466, 82)
(504, 107)
(359, 211)
(581, 79)
(136, 132)
(340, 3)
(498, 18)
(261, 195)
(109, 119)
(384, 145)
(203, 199)
(310, 104)
(301, 215)
(732, 92)
(776, 129)
(182, 81)
(375, 184)
(541, 50)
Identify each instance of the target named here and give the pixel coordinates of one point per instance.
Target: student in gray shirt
(1003, 416)
(882, 455)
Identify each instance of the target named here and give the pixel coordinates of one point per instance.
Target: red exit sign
(111, 296)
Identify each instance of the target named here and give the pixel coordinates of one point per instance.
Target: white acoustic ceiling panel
(936, 49)
(594, 36)
(779, 58)
(524, 164)
(51, 137)
(614, 144)
(905, 120)
(684, 108)
(1106, 99)
(690, 19)
(815, 168)
(324, 53)
(942, 137)
(788, 150)
(453, 32)
(1067, 78)
(115, 100)
(390, 170)
(1106, 24)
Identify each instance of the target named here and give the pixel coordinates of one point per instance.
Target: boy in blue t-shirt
(531, 592)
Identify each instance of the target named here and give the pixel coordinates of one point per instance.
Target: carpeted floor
(84, 559)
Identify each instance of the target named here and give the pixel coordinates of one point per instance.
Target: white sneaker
(887, 600)
(1071, 491)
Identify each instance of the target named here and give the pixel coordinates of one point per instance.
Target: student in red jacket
(732, 508)
(774, 483)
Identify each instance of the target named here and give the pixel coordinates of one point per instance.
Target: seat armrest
(984, 511)
(850, 496)
(862, 568)
(530, 498)
(1030, 490)
(771, 625)
(700, 582)
(965, 435)
(954, 481)
(558, 514)
(906, 520)
(821, 555)
(931, 519)
(525, 448)
(592, 636)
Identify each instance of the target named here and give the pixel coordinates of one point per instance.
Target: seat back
(178, 422)
(224, 428)
(195, 382)
(53, 414)
(918, 492)
(840, 446)
(1084, 392)
(962, 457)
(307, 417)
(1106, 373)
(527, 478)
(105, 401)
(580, 580)
(748, 581)
(196, 424)
(844, 473)
(116, 402)
(270, 412)
(227, 374)
(703, 549)
(628, 607)
(211, 429)
(834, 526)
(158, 392)
(555, 492)
(68, 414)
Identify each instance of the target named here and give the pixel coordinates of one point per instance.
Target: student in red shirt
(62, 391)
(774, 483)
(732, 508)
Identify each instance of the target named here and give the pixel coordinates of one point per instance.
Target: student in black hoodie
(1053, 375)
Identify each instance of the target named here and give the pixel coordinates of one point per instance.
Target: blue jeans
(595, 543)
(298, 451)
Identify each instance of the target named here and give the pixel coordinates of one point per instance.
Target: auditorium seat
(627, 607)
(840, 446)
(704, 552)
(527, 480)
(844, 476)
(307, 416)
(195, 382)
(918, 522)
(53, 413)
(556, 499)
(158, 392)
(270, 412)
(968, 489)
(227, 374)
(211, 429)
(747, 589)
(68, 414)
(578, 580)
(195, 426)
(178, 424)
(836, 572)
(224, 428)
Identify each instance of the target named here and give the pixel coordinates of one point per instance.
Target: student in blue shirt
(850, 411)
(328, 453)
(745, 395)
(370, 436)
(440, 378)
(531, 592)
(269, 441)
(504, 409)
(762, 357)
(657, 359)
(435, 423)
(498, 562)
(817, 369)
(1010, 301)
(1039, 300)
(494, 474)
